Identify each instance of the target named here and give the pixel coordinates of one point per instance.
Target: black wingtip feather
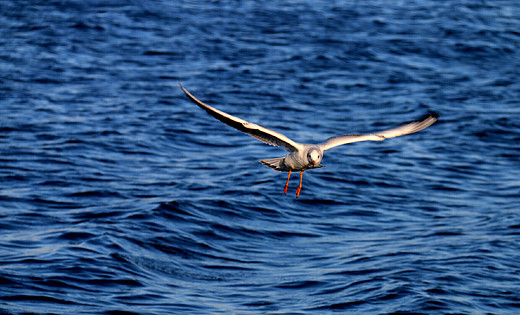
(433, 114)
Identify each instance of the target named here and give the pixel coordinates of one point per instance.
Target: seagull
(303, 156)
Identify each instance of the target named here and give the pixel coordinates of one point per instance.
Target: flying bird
(303, 156)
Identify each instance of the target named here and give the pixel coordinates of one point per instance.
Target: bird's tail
(276, 164)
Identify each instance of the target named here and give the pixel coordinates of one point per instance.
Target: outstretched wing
(404, 129)
(261, 133)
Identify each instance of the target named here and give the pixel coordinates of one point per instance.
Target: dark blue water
(118, 195)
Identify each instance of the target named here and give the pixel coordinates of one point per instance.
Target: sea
(120, 196)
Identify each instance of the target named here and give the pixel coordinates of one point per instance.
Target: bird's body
(297, 160)
(302, 156)
(307, 158)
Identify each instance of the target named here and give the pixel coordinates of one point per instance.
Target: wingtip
(430, 115)
(188, 93)
(433, 114)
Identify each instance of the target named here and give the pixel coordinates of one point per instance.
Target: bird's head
(314, 157)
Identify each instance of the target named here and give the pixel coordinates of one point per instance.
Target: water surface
(119, 195)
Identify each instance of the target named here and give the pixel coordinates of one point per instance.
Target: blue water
(119, 195)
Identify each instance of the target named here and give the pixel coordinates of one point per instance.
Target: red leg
(300, 186)
(287, 183)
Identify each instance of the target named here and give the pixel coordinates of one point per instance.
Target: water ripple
(118, 195)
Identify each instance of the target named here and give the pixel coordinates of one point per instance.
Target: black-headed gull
(302, 156)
